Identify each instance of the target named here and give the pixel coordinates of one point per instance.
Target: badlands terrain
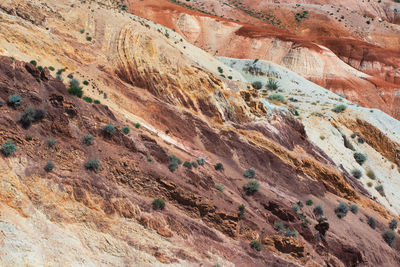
(199, 133)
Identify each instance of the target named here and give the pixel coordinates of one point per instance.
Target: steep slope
(191, 105)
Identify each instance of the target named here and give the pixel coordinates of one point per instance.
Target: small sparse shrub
(219, 167)
(250, 173)
(14, 101)
(257, 85)
(201, 161)
(309, 202)
(380, 190)
(389, 237)
(194, 164)
(360, 158)
(272, 84)
(356, 173)
(96, 102)
(300, 204)
(277, 97)
(241, 209)
(88, 140)
(39, 114)
(252, 186)
(51, 142)
(369, 184)
(27, 117)
(8, 148)
(296, 208)
(82, 31)
(393, 224)
(49, 166)
(220, 70)
(125, 130)
(88, 99)
(339, 108)
(28, 138)
(93, 165)
(109, 129)
(371, 222)
(353, 135)
(354, 208)
(341, 210)
(219, 187)
(148, 159)
(187, 164)
(371, 174)
(158, 204)
(174, 163)
(318, 210)
(360, 140)
(290, 233)
(255, 245)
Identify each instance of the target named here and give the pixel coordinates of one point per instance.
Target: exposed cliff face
(191, 105)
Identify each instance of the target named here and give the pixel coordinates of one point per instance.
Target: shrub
(93, 165)
(187, 164)
(33, 62)
(339, 108)
(28, 138)
(201, 161)
(194, 164)
(356, 173)
(14, 101)
(51, 68)
(380, 190)
(148, 159)
(137, 125)
(290, 233)
(277, 97)
(241, 209)
(360, 158)
(360, 140)
(109, 129)
(353, 135)
(389, 237)
(82, 30)
(219, 166)
(220, 70)
(40, 68)
(300, 204)
(257, 85)
(51, 142)
(318, 210)
(309, 202)
(252, 186)
(96, 102)
(219, 187)
(341, 210)
(8, 148)
(88, 99)
(49, 166)
(354, 208)
(255, 245)
(371, 222)
(371, 174)
(27, 117)
(393, 224)
(88, 140)
(369, 184)
(296, 208)
(85, 82)
(88, 38)
(158, 204)
(77, 91)
(39, 114)
(125, 130)
(174, 163)
(250, 173)
(272, 84)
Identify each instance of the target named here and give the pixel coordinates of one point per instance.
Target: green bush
(96, 102)
(174, 163)
(194, 164)
(88, 99)
(360, 158)
(137, 125)
(219, 187)
(250, 173)
(51, 68)
(28, 117)
(272, 84)
(354, 208)
(318, 210)
(371, 222)
(393, 224)
(257, 85)
(8, 148)
(49, 166)
(109, 129)
(187, 164)
(51, 142)
(219, 167)
(277, 97)
(252, 186)
(309, 202)
(148, 159)
(88, 140)
(201, 161)
(85, 82)
(339, 108)
(93, 165)
(341, 210)
(389, 237)
(158, 204)
(77, 91)
(40, 68)
(14, 101)
(220, 70)
(296, 208)
(33, 62)
(125, 130)
(255, 245)
(88, 38)
(356, 173)
(241, 209)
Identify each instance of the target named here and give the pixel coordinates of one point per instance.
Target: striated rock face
(248, 162)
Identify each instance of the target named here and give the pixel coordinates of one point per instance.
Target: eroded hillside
(249, 177)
